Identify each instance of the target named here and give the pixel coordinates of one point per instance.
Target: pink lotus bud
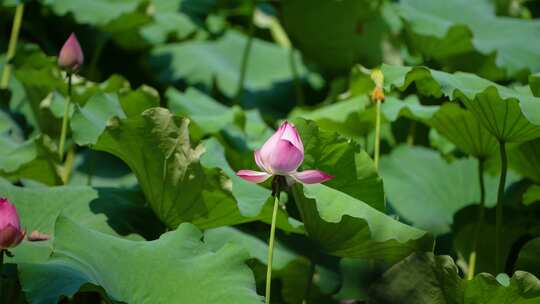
(282, 154)
(71, 57)
(10, 226)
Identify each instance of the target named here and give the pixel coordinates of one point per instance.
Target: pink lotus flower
(11, 234)
(71, 57)
(282, 154)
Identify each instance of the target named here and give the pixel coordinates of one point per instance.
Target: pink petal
(253, 176)
(8, 214)
(311, 177)
(291, 134)
(286, 158)
(19, 238)
(270, 145)
(37, 236)
(71, 56)
(8, 236)
(260, 162)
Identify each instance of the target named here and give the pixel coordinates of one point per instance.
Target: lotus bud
(11, 233)
(378, 92)
(71, 57)
(281, 155)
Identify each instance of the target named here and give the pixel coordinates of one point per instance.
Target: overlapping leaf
(421, 186)
(176, 257)
(353, 31)
(267, 68)
(425, 278)
(509, 114)
(469, 36)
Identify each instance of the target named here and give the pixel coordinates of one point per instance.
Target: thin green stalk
(17, 21)
(410, 136)
(499, 211)
(309, 285)
(271, 248)
(297, 83)
(245, 55)
(1, 274)
(472, 256)
(376, 150)
(65, 122)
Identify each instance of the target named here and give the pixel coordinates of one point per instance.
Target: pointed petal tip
(253, 176)
(312, 177)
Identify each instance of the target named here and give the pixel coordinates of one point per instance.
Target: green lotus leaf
(469, 36)
(99, 13)
(353, 31)
(509, 114)
(353, 170)
(525, 159)
(462, 128)
(177, 256)
(532, 195)
(528, 257)
(267, 68)
(115, 212)
(421, 185)
(347, 227)
(436, 280)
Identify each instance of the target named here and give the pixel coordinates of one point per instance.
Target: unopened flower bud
(71, 57)
(11, 233)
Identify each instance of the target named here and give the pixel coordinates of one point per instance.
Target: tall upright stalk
(271, 248)
(1, 274)
(376, 149)
(245, 54)
(65, 120)
(17, 21)
(480, 222)
(499, 211)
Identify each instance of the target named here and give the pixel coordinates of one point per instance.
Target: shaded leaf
(421, 186)
(509, 114)
(425, 278)
(177, 256)
(450, 30)
(344, 226)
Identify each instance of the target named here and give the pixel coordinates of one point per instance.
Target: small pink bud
(71, 57)
(11, 234)
(37, 236)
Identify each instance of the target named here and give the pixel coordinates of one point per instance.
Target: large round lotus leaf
(352, 32)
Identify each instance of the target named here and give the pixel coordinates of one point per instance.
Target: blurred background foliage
(236, 68)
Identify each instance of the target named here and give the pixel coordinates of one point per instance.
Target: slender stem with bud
(17, 20)
(65, 120)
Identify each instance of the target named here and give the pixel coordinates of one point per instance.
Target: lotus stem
(245, 55)
(309, 285)
(1, 274)
(499, 210)
(12, 46)
(376, 149)
(479, 224)
(65, 120)
(271, 248)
